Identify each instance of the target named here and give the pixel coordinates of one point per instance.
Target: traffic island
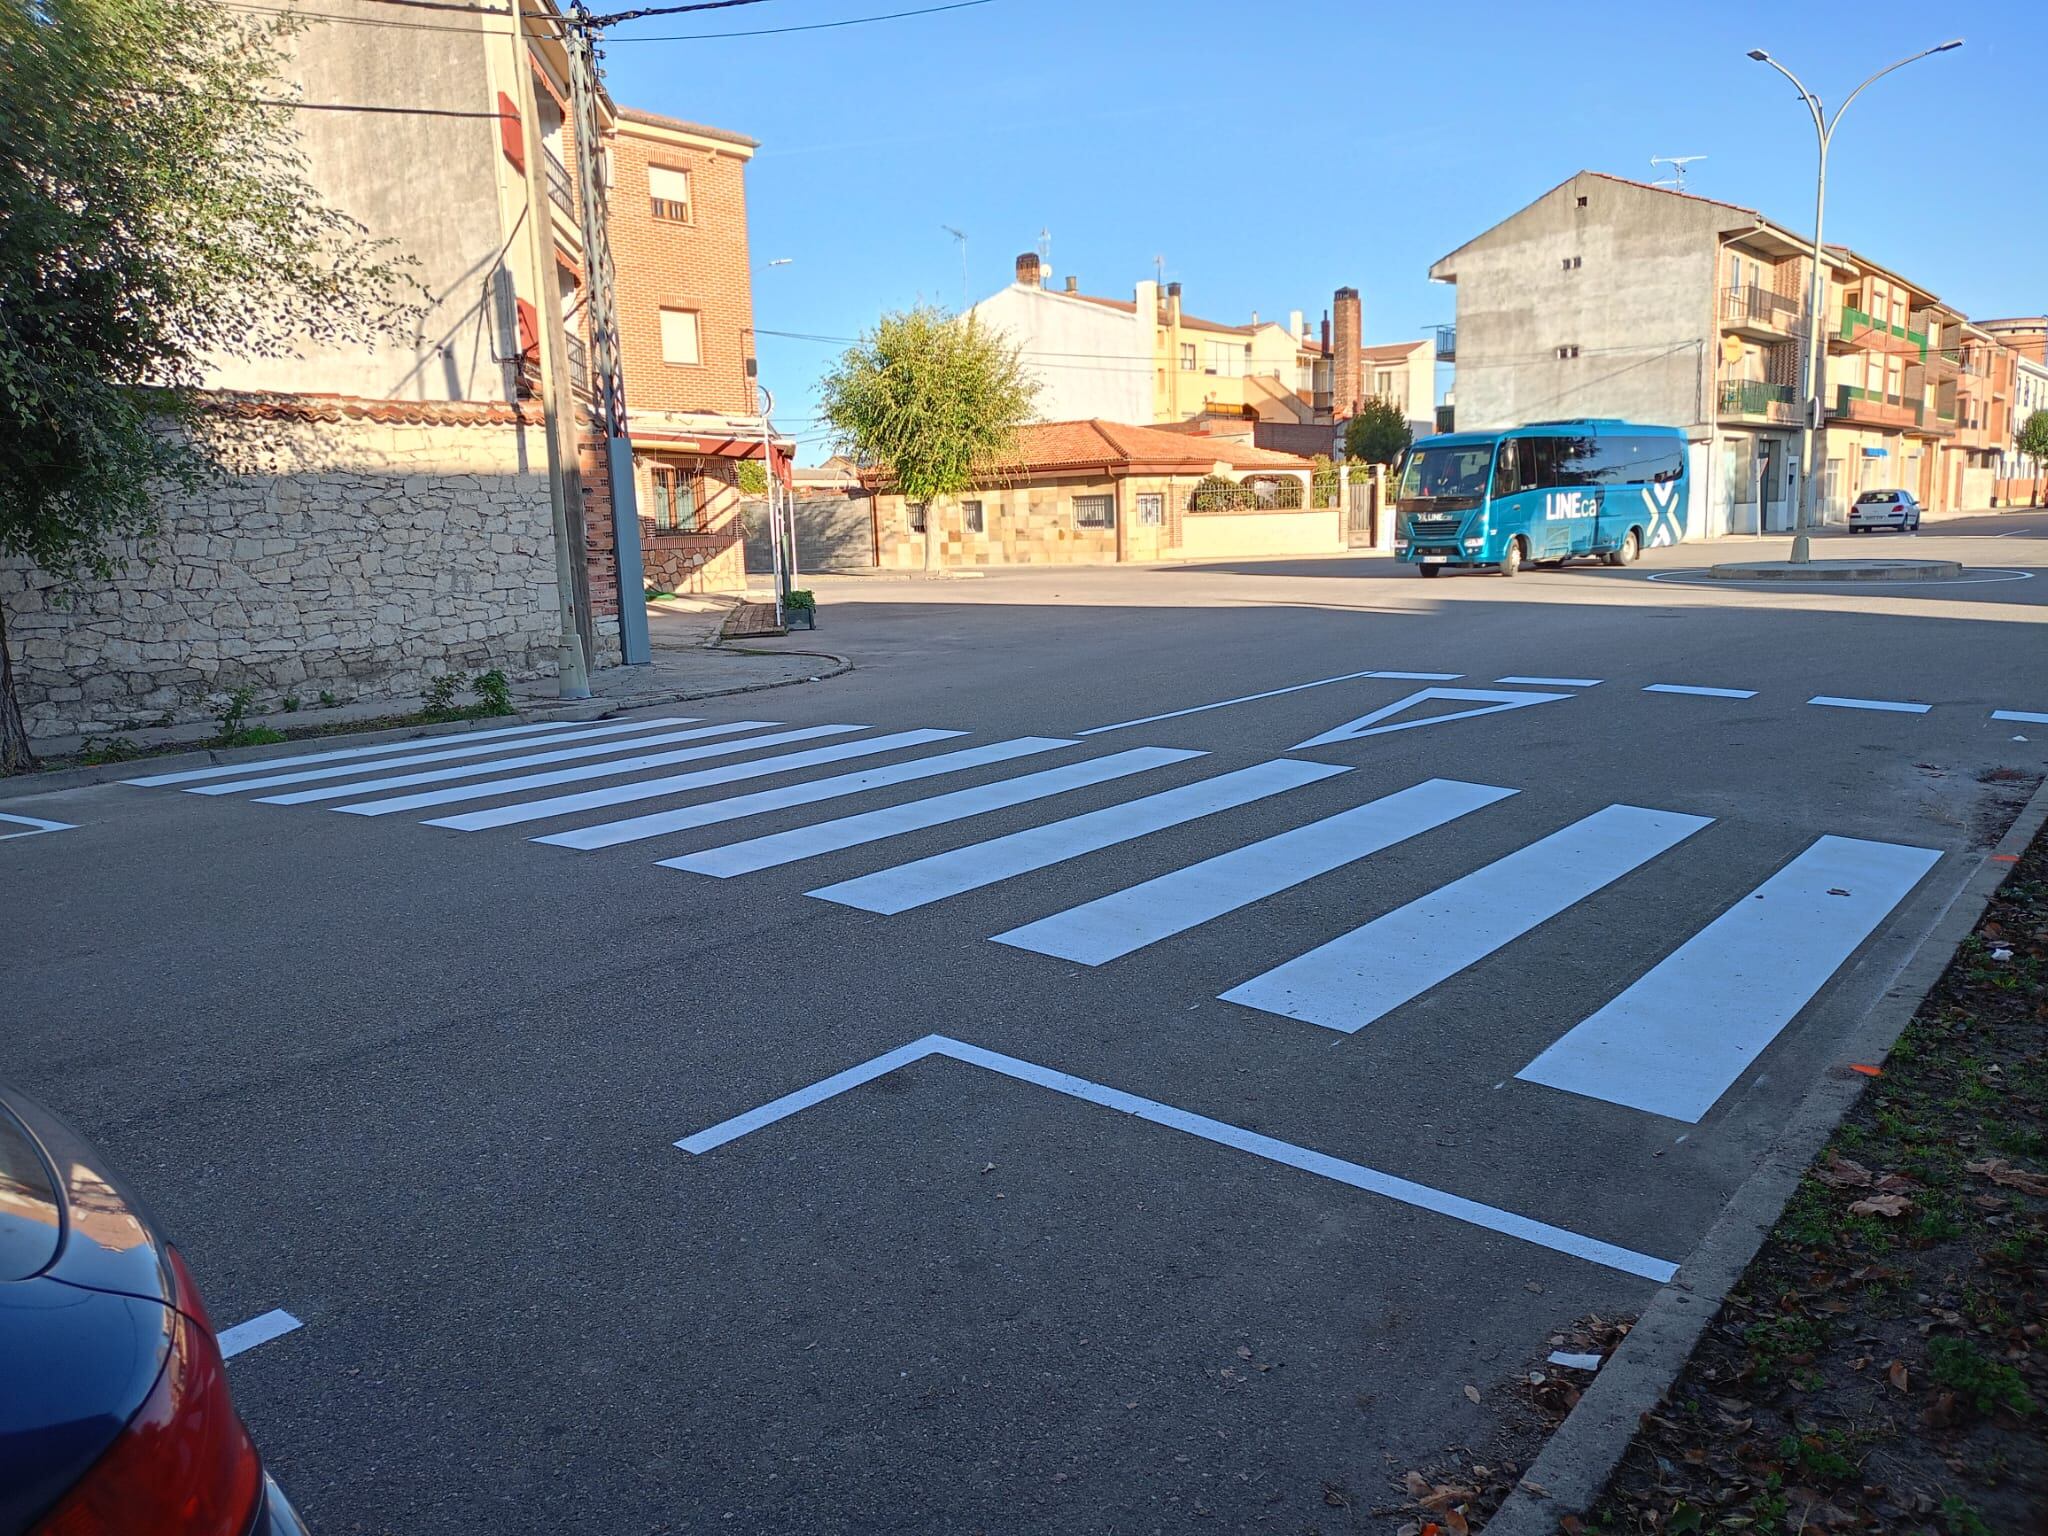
(1836, 570)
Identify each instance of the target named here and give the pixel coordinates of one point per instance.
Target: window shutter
(511, 132)
(670, 186)
(529, 331)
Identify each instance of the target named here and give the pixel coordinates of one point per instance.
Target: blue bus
(1542, 494)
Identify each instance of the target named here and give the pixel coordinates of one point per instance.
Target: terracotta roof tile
(659, 120)
(1054, 445)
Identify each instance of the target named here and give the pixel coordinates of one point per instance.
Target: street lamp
(1814, 442)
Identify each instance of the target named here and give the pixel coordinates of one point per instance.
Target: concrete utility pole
(606, 367)
(572, 669)
(775, 551)
(1813, 435)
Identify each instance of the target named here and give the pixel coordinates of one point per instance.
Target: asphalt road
(1098, 1250)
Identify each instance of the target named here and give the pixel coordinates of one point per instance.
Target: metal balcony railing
(560, 189)
(579, 362)
(1875, 408)
(1446, 343)
(1758, 401)
(1760, 307)
(1862, 329)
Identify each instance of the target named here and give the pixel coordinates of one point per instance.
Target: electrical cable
(811, 26)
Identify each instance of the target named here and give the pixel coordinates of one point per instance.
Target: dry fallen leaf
(1473, 1393)
(1896, 1374)
(1881, 1205)
(1841, 1173)
(1244, 1352)
(1417, 1485)
(1999, 1171)
(1454, 1522)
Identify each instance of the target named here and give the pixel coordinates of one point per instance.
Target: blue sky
(1273, 152)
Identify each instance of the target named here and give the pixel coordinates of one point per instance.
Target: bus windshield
(1451, 473)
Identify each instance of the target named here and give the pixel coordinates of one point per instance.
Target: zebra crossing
(1671, 1043)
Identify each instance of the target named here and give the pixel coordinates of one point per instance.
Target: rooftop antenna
(961, 236)
(1678, 163)
(1045, 248)
(1159, 269)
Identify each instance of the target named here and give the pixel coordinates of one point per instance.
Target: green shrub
(440, 696)
(1220, 493)
(493, 692)
(799, 600)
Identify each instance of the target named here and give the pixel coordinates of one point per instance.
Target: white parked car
(1885, 509)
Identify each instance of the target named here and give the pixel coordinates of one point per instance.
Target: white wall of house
(1088, 360)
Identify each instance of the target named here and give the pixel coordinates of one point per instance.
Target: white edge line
(1553, 682)
(274, 1324)
(1704, 693)
(1355, 1175)
(1889, 706)
(1249, 698)
(2019, 714)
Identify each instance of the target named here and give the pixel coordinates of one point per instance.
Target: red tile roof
(1130, 307)
(1056, 445)
(661, 120)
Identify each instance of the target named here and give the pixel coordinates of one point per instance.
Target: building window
(915, 510)
(1582, 202)
(679, 339)
(1151, 510)
(971, 517)
(1187, 357)
(1094, 511)
(678, 499)
(669, 191)
(1569, 263)
(1568, 353)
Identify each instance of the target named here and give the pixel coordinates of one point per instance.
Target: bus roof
(1593, 426)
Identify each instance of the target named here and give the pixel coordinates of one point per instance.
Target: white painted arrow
(1491, 700)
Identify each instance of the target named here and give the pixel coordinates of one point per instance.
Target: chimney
(1073, 283)
(1255, 319)
(1294, 326)
(1350, 339)
(1173, 303)
(1027, 270)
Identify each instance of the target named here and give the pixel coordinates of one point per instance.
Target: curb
(1576, 1462)
(1837, 570)
(574, 709)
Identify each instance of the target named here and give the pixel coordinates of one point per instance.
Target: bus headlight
(1399, 545)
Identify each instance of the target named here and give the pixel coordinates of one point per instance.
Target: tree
(2033, 442)
(753, 478)
(930, 400)
(1377, 434)
(154, 215)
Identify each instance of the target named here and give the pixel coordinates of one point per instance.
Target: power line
(814, 26)
(613, 18)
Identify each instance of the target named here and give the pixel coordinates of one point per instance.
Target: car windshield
(1450, 472)
(1874, 498)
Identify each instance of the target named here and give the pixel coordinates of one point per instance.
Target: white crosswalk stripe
(1139, 915)
(497, 788)
(916, 815)
(654, 789)
(964, 869)
(600, 749)
(1372, 970)
(382, 748)
(1677, 1039)
(610, 834)
(415, 759)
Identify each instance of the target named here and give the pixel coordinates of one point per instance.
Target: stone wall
(356, 548)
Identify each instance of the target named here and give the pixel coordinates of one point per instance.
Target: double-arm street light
(1814, 443)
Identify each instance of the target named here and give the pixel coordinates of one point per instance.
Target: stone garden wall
(357, 548)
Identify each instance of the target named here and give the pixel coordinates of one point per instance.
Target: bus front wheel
(1511, 560)
(1631, 548)
(1430, 570)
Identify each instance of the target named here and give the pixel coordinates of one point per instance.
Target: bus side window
(1539, 463)
(1507, 479)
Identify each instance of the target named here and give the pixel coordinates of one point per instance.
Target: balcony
(578, 358)
(1874, 408)
(1754, 400)
(1754, 311)
(560, 190)
(1447, 343)
(1857, 330)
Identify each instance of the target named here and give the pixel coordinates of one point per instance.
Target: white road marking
(1490, 700)
(1372, 970)
(1678, 1038)
(493, 788)
(1553, 682)
(1127, 920)
(415, 759)
(527, 760)
(1703, 693)
(923, 881)
(682, 783)
(609, 834)
(2019, 714)
(916, 815)
(420, 743)
(1830, 701)
(258, 1330)
(36, 825)
(1249, 698)
(1422, 677)
(1287, 1154)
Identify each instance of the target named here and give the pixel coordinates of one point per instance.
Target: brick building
(677, 217)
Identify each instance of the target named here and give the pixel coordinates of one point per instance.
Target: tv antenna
(960, 235)
(1678, 163)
